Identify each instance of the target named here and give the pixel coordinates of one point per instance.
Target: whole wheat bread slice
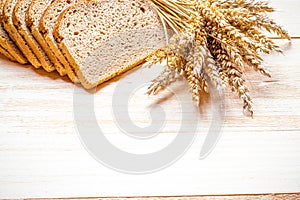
(14, 34)
(19, 16)
(47, 23)
(7, 44)
(6, 54)
(33, 16)
(106, 38)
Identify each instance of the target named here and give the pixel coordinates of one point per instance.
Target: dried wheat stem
(215, 40)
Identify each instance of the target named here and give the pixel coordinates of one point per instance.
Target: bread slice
(7, 44)
(18, 16)
(106, 38)
(33, 16)
(14, 33)
(47, 22)
(6, 54)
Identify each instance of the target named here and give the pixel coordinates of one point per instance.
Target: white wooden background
(41, 155)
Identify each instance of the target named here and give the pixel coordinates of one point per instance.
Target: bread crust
(6, 54)
(32, 23)
(19, 22)
(46, 33)
(61, 57)
(14, 34)
(6, 42)
(10, 47)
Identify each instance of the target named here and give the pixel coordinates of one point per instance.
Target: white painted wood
(41, 154)
(287, 14)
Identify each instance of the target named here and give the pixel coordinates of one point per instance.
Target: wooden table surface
(41, 155)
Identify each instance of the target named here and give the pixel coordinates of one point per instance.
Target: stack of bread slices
(90, 41)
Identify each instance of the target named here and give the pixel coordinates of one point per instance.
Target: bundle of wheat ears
(215, 41)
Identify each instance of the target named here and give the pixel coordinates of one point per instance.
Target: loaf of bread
(91, 41)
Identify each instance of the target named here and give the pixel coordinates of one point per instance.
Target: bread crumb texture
(103, 44)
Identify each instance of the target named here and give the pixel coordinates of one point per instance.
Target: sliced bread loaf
(47, 22)
(105, 38)
(7, 44)
(18, 16)
(6, 54)
(14, 34)
(33, 16)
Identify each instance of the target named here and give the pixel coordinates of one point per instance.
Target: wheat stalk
(214, 40)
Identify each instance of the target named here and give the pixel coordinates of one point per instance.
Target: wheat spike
(214, 42)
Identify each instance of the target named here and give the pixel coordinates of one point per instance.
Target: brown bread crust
(14, 34)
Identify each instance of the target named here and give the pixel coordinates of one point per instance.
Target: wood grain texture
(41, 155)
(294, 196)
(287, 14)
